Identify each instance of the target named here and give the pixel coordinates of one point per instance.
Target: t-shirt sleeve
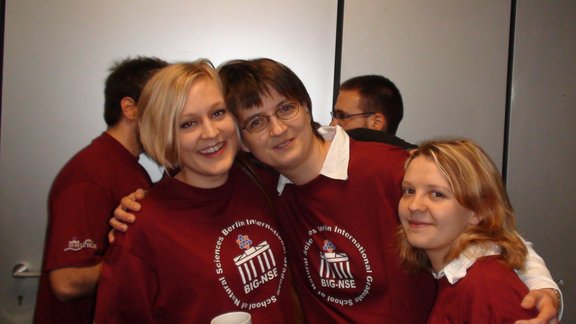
(497, 296)
(395, 171)
(126, 290)
(536, 275)
(78, 226)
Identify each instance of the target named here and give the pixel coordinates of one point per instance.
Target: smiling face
(429, 212)
(284, 145)
(207, 136)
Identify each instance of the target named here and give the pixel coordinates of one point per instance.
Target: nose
(334, 122)
(209, 129)
(415, 203)
(277, 126)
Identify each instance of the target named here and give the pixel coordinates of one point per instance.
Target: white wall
(56, 58)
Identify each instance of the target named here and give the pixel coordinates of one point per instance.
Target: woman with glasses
(337, 203)
(206, 242)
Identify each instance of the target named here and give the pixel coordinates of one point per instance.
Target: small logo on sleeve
(75, 245)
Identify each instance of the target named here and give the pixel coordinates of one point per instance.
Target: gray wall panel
(447, 57)
(542, 160)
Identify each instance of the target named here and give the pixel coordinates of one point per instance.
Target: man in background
(84, 195)
(370, 108)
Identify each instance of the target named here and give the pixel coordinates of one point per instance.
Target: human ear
(244, 147)
(129, 108)
(475, 219)
(378, 122)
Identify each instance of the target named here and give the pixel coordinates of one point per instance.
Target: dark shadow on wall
(510, 75)
(338, 50)
(3, 15)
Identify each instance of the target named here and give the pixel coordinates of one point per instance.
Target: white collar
(456, 269)
(335, 165)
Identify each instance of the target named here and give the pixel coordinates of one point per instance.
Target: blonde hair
(478, 187)
(160, 108)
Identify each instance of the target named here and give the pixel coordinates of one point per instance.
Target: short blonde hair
(477, 186)
(160, 108)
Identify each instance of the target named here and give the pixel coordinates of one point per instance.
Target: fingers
(544, 302)
(550, 295)
(111, 236)
(121, 214)
(547, 304)
(528, 302)
(547, 314)
(129, 203)
(539, 320)
(139, 194)
(117, 225)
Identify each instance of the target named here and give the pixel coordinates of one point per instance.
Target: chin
(417, 242)
(226, 165)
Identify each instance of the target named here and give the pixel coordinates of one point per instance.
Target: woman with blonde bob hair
(206, 242)
(457, 222)
(161, 108)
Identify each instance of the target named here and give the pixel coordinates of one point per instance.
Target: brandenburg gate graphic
(334, 265)
(256, 261)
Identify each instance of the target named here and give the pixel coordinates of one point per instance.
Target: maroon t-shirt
(342, 237)
(82, 200)
(489, 293)
(196, 253)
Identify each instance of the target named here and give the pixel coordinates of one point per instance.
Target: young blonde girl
(458, 223)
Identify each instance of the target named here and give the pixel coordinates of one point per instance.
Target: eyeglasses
(341, 115)
(285, 111)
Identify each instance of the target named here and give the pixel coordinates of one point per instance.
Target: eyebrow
(217, 105)
(276, 107)
(429, 186)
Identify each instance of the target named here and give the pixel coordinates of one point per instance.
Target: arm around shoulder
(544, 294)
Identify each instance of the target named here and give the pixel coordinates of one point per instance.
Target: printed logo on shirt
(335, 271)
(255, 267)
(75, 245)
(335, 268)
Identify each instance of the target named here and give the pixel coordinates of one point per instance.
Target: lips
(212, 149)
(414, 223)
(283, 144)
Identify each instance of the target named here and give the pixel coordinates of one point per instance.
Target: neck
(311, 167)
(437, 260)
(127, 137)
(198, 181)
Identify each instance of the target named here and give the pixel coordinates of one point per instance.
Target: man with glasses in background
(370, 108)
